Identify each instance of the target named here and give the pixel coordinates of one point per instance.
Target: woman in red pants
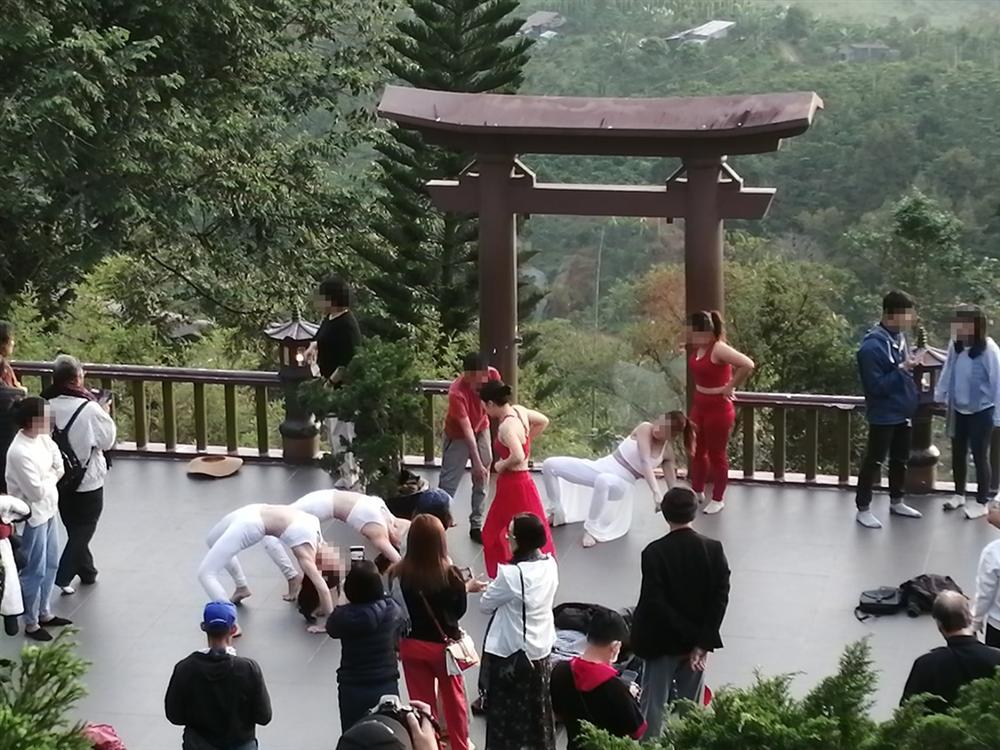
(515, 489)
(717, 370)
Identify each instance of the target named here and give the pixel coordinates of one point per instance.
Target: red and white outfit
(713, 416)
(516, 493)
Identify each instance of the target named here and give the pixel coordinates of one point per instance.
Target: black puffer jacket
(369, 634)
(8, 397)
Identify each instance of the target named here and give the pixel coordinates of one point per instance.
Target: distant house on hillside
(704, 33)
(866, 52)
(540, 22)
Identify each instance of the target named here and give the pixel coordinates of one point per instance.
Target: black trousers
(892, 440)
(80, 512)
(972, 431)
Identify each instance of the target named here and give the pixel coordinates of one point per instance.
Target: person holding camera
(367, 623)
(434, 593)
(90, 431)
(394, 727)
(218, 697)
(589, 688)
(34, 467)
(519, 641)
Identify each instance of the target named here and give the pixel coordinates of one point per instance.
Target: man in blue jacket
(885, 366)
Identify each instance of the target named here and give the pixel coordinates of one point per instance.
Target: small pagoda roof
(678, 126)
(295, 329)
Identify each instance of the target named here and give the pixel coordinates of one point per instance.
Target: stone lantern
(299, 430)
(923, 453)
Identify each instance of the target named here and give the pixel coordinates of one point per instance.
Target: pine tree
(425, 266)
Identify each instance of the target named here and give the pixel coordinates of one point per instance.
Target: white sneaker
(67, 590)
(902, 509)
(954, 502)
(867, 519)
(714, 507)
(975, 510)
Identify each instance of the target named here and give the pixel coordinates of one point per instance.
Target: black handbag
(886, 600)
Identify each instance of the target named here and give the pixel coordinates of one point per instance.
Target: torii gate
(496, 128)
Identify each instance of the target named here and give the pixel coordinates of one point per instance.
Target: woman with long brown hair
(647, 447)
(718, 370)
(434, 595)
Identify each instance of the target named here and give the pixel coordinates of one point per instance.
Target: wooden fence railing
(237, 412)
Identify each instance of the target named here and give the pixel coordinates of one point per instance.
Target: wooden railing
(132, 387)
(812, 439)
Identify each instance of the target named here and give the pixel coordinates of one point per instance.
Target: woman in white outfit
(367, 515)
(11, 602)
(613, 476)
(245, 527)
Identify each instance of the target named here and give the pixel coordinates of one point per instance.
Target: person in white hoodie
(986, 605)
(34, 466)
(91, 432)
(970, 388)
(12, 511)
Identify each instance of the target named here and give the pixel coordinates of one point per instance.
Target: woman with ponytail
(717, 370)
(612, 477)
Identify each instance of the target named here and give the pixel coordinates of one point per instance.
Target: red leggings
(714, 417)
(427, 678)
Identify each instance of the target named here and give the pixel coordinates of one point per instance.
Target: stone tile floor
(798, 559)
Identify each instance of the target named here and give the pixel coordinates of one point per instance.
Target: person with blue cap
(218, 697)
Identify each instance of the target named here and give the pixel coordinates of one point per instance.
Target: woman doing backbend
(515, 489)
(612, 477)
(718, 370)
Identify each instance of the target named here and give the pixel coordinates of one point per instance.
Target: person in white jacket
(969, 386)
(12, 510)
(986, 605)
(34, 466)
(91, 433)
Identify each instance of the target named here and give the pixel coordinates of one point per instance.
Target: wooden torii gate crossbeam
(497, 186)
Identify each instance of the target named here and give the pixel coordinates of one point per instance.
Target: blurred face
(40, 425)
(902, 320)
(7, 347)
(963, 330)
(327, 558)
(324, 305)
(662, 430)
(476, 378)
(699, 338)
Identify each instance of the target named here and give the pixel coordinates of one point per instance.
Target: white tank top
(628, 449)
(319, 503)
(304, 529)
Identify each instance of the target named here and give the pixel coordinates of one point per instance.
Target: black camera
(390, 705)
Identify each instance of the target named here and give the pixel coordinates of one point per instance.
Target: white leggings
(238, 531)
(610, 480)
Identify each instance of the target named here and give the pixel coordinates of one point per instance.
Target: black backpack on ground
(920, 592)
(73, 469)
(885, 600)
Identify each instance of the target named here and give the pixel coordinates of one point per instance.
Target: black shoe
(479, 706)
(38, 635)
(476, 535)
(11, 626)
(55, 622)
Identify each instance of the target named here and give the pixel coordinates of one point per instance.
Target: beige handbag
(460, 654)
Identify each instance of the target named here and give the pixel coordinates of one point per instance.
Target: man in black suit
(943, 670)
(685, 591)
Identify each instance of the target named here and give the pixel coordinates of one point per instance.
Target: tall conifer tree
(427, 260)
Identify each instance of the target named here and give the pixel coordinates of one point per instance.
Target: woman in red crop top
(515, 489)
(717, 369)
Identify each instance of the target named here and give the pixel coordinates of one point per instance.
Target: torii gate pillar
(703, 285)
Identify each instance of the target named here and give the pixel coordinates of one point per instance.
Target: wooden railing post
(780, 439)
(232, 443)
(169, 417)
(749, 441)
(812, 444)
(139, 414)
(200, 421)
(844, 446)
(260, 402)
(429, 429)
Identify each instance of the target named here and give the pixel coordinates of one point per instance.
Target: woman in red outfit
(515, 489)
(718, 370)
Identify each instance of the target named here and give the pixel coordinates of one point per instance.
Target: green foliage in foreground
(380, 395)
(833, 716)
(36, 696)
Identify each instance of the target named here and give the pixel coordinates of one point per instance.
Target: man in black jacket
(218, 697)
(942, 671)
(684, 594)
